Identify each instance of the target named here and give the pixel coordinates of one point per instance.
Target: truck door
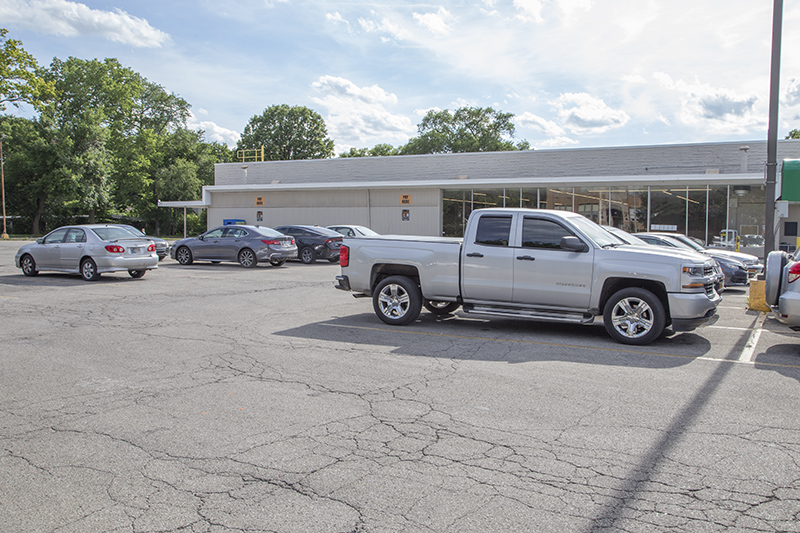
(547, 275)
(487, 260)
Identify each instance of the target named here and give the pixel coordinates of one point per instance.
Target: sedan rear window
(112, 233)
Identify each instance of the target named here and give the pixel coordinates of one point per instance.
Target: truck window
(493, 231)
(538, 233)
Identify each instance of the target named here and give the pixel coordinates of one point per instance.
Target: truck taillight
(344, 256)
(794, 272)
(115, 248)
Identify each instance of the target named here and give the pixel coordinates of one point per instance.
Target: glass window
(493, 231)
(456, 207)
(537, 233)
(214, 233)
(76, 235)
(56, 237)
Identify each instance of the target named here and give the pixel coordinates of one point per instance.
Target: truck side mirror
(573, 244)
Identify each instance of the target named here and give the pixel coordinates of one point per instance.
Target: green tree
(469, 129)
(376, 151)
(20, 76)
(287, 133)
(794, 134)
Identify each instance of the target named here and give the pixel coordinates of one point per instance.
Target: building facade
(697, 189)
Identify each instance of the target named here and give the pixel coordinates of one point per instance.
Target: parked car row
(90, 250)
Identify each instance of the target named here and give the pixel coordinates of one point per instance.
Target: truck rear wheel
(397, 300)
(634, 316)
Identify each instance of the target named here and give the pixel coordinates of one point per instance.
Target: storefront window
(456, 207)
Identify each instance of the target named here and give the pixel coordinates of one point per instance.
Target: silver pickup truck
(536, 264)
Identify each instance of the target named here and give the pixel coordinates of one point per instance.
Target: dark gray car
(162, 246)
(245, 244)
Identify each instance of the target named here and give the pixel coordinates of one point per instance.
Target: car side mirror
(201, 237)
(40, 240)
(573, 244)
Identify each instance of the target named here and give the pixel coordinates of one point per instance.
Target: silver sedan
(246, 244)
(88, 250)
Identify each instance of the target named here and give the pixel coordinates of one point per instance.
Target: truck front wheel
(397, 300)
(634, 316)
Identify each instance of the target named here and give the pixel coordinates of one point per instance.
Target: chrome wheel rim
(246, 258)
(632, 317)
(183, 255)
(88, 270)
(27, 265)
(394, 301)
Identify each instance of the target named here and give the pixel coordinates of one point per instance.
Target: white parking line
(750, 347)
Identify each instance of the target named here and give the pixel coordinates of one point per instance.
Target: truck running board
(532, 314)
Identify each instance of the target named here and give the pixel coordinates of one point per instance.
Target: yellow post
(757, 300)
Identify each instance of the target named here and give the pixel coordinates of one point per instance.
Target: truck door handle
(474, 254)
(525, 258)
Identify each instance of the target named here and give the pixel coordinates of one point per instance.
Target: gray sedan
(88, 250)
(246, 244)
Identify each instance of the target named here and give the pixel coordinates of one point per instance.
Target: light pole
(3, 186)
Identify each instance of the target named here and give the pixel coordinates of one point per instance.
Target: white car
(782, 288)
(88, 250)
(349, 230)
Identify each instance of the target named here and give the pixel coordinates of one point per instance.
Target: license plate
(135, 250)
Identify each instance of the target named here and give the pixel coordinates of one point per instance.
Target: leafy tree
(794, 134)
(20, 76)
(287, 133)
(376, 151)
(469, 129)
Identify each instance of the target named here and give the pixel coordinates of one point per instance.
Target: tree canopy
(287, 133)
(469, 129)
(20, 75)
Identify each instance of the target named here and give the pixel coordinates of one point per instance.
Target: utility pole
(772, 132)
(4, 236)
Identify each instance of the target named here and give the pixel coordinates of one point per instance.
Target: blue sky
(575, 73)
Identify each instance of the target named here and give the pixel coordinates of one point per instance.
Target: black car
(162, 246)
(314, 242)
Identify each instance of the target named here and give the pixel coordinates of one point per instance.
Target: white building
(698, 189)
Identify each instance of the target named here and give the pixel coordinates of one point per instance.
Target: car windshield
(325, 232)
(133, 230)
(627, 237)
(365, 231)
(689, 242)
(596, 233)
(113, 233)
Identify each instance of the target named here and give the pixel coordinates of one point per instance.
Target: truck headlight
(695, 271)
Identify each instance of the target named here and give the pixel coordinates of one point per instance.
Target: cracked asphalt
(212, 398)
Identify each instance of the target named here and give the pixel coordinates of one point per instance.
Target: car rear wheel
(397, 300)
(136, 274)
(773, 275)
(634, 316)
(28, 265)
(89, 270)
(440, 308)
(184, 256)
(308, 255)
(247, 258)
(277, 262)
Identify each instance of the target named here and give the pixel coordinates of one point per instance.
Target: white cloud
(547, 127)
(583, 113)
(73, 19)
(792, 95)
(435, 22)
(385, 26)
(213, 132)
(358, 115)
(529, 10)
(716, 109)
(337, 18)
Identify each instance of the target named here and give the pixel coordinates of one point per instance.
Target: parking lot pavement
(216, 398)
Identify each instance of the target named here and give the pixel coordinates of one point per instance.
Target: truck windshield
(600, 236)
